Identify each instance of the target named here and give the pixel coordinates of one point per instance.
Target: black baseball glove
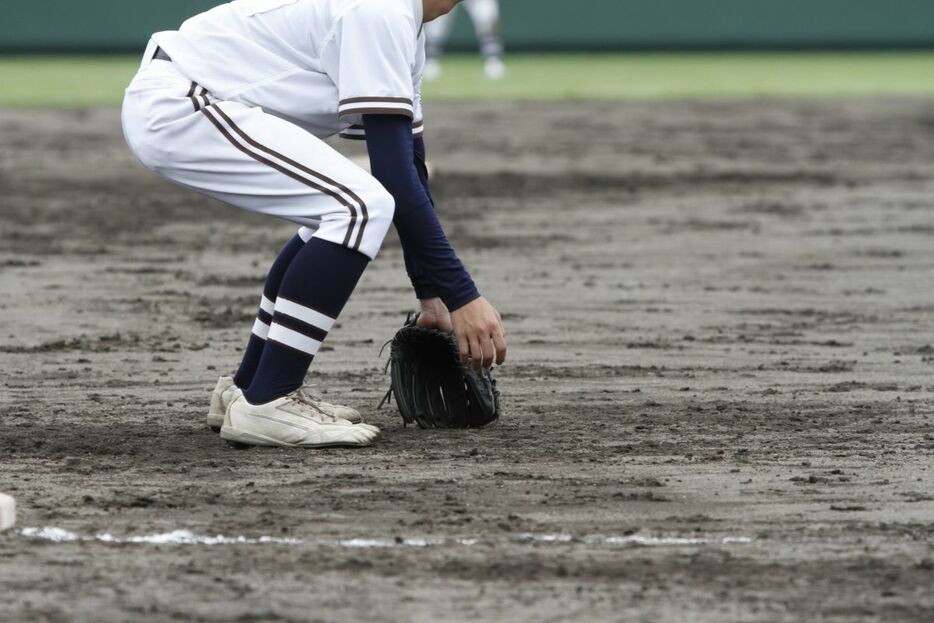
(431, 386)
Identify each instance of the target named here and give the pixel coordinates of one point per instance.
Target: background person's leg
(485, 17)
(436, 35)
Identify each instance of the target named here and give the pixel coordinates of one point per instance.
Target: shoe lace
(312, 393)
(307, 396)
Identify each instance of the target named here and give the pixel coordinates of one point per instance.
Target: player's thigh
(438, 29)
(282, 170)
(484, 13)
(256, 161)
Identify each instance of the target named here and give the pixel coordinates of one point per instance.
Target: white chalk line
(186, 537)
(176, 537)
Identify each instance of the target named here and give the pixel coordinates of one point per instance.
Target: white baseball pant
(250, 159)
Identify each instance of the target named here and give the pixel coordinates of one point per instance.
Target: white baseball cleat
(292, 421)
(339, 411)
(225, 392)
(494, 69)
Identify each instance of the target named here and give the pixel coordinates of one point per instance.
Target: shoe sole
(239, 439)
(216, 421)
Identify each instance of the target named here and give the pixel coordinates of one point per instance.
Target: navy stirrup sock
(316, 285)
(254, 348)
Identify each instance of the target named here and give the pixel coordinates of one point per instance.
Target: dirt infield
(718, 401)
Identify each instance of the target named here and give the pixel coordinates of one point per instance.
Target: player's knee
(380, 207)
(364, 219)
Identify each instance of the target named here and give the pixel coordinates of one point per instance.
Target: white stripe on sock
(305, 314)
(267, 306)
(260, 329)
(284, 335)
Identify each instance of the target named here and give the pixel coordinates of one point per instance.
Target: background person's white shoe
(292, 422)
(225, 392)
(494, 68)
(432, 70)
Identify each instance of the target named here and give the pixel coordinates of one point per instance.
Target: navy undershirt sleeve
(423, 288)
(437, 269)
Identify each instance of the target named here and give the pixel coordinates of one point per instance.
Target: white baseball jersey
(321, 64)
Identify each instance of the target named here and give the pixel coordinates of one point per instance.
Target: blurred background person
(485, 17)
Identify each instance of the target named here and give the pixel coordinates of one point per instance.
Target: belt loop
(148, 54)
(160, 55)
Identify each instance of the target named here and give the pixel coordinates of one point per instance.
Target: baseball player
(235, 104)
(485, 17)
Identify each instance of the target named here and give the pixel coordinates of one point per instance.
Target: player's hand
(480, 333)
(435, 315)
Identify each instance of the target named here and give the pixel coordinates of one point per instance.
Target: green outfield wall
(124, 25)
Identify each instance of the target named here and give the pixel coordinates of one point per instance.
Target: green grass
(665, 76)
(64, 81)
(83, 81)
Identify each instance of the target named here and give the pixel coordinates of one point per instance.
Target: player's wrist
(433, 305)
(456, 302)
(424, 292)
(434, 314)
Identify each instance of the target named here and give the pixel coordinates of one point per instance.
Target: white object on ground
(7, 512)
